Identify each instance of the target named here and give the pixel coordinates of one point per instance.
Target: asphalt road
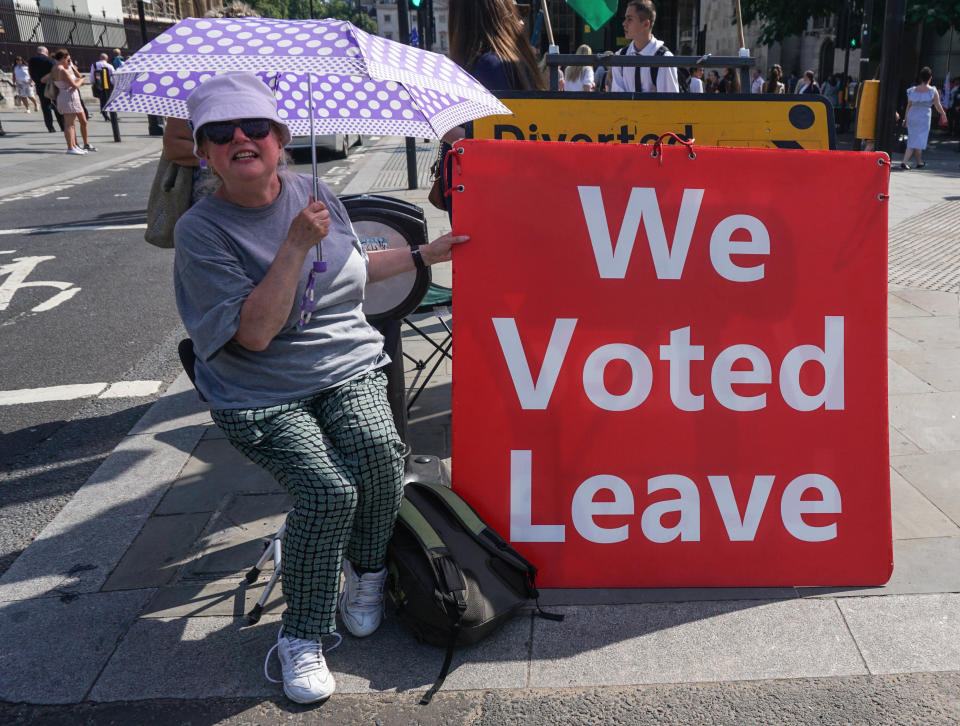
(105, 315)
(913, 699)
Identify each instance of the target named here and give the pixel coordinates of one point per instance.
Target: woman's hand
(178, 143)
(454, 135)
(440, 249)
(387, 263)
(310, 226)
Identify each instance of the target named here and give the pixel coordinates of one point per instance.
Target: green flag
(595, 12)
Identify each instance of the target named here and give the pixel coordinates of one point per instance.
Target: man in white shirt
(696, 79)
(638, 28)
(757, 85)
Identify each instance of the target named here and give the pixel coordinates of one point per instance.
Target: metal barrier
(556, 60)
(26, 28)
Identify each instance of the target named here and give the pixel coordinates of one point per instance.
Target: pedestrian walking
(488, 40)
(808, 84)
(24, 84)
(638, 23)
(302, 394)
(756, 86)
(579, 78)
(730, 83)
(831, 90)
(116, 60)
(792, 83)
(696, 79)
(713, 82)
(101, 81)
(69, 81)
(774, 84)
(600, 80)
(920, 99)
(40, 66)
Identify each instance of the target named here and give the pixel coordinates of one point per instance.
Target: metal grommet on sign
(881, 196)
(459, 187)
(881, 161)
(654, 154)
(692, 154)
(460, 150)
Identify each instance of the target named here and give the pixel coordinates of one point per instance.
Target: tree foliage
(300, 10)
(779, 18)
(941, 14)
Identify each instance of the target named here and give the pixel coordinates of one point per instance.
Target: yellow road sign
(779, 122)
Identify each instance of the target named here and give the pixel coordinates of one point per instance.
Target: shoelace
(367, 595)
(304, 647)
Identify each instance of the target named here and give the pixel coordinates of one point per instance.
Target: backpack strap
(451, 584)
(485, 536)
(471, 522)
(662, 50)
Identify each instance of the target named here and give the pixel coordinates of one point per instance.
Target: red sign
(672, 371)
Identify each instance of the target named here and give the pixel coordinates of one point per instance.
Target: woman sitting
(291, 369)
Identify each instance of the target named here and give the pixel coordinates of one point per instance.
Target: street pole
(404, 20)
(154, 123)
(866, 37)
(865, 40)
(890, 73)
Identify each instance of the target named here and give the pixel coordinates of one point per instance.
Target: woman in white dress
(919, 100)
(579, 78)
(21, 79)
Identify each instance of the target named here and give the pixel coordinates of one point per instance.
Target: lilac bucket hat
(231, 96)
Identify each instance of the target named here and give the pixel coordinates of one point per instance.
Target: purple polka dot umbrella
(360, 83)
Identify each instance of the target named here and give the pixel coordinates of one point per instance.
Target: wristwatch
(418, 258)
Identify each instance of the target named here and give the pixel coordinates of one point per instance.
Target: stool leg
(275, 550)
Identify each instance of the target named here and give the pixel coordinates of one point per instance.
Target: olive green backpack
(452, 579)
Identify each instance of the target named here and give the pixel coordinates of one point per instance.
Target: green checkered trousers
(339, 456)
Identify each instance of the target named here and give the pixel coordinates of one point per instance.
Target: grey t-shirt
(222, 252)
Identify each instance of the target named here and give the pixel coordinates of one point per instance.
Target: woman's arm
(267, 307)
(178, 143)
(76, 77)
(936, 103)
(387, 263)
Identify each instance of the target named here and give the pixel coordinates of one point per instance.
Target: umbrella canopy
(360, 83)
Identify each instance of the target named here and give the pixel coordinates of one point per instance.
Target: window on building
(388, 36)
(386, 17)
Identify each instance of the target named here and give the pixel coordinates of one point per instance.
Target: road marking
(122, 389)
(131, 389)
(19, 269)
(72, 228)
(63, 197)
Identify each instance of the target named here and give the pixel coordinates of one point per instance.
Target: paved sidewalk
(135, 590)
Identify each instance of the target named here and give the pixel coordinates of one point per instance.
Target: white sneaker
(361, 602)
(77, 151)
(306, 678)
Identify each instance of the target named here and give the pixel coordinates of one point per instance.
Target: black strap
(637, 83)
(445, 669)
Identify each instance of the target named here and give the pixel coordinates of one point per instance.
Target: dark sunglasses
(221, 132)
